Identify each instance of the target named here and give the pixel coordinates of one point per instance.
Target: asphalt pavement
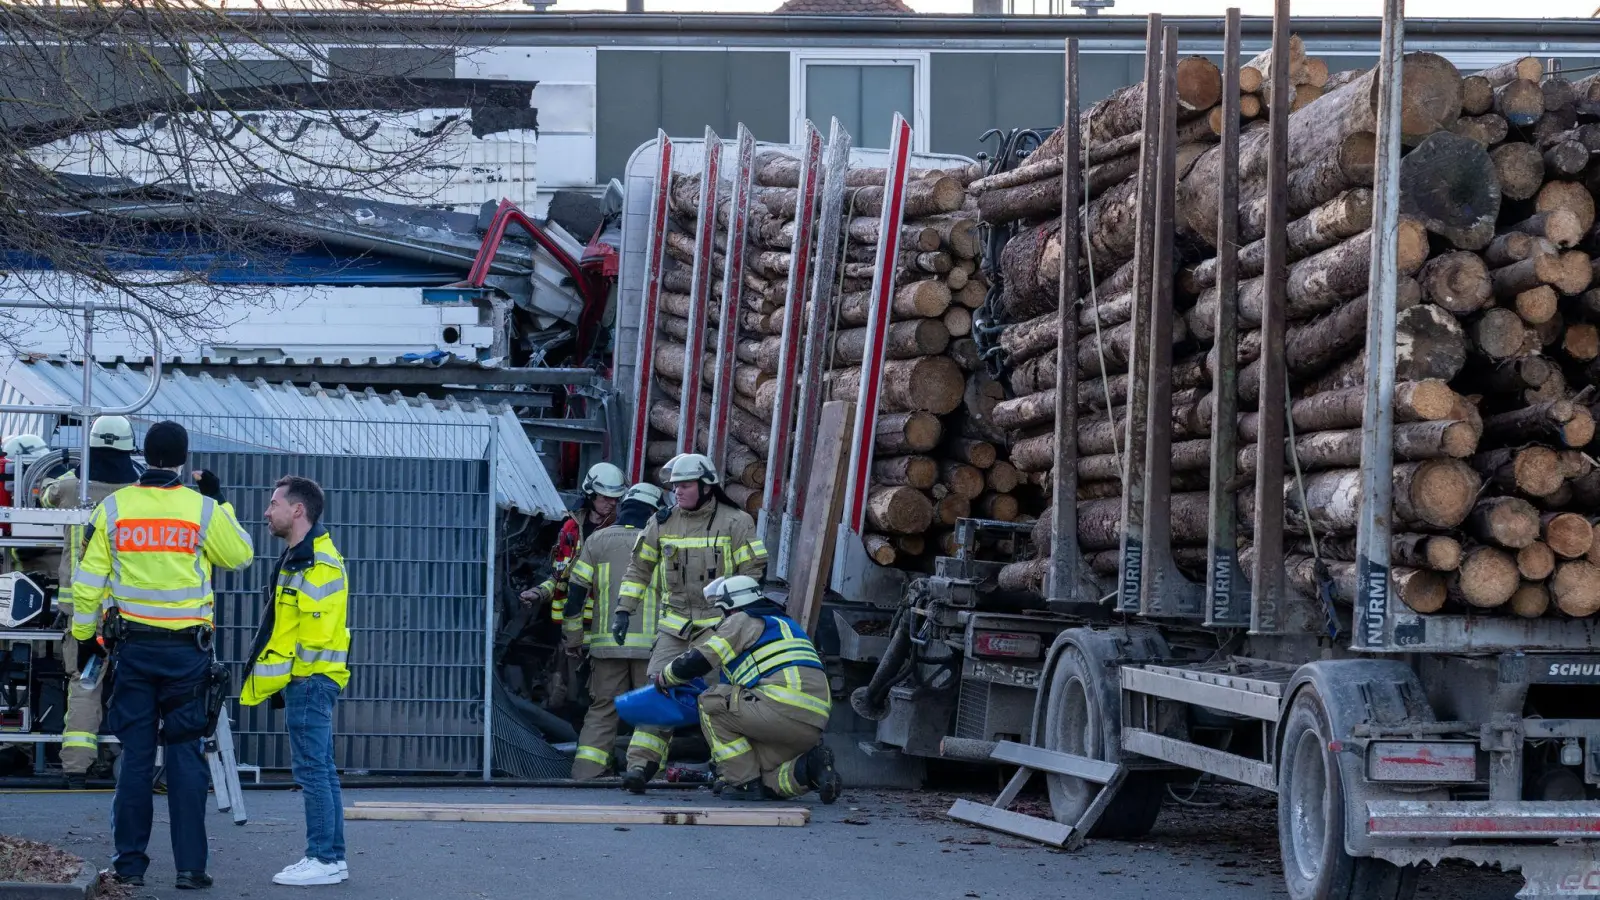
(874, 845)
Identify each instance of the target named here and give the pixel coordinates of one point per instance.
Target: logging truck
(1389, 625)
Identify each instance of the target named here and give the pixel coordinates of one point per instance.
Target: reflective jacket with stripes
(151, 548)
(678, 557)
(770, 655)
(595, 579)
(307, 633)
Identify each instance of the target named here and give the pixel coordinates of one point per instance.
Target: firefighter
(703, 536)
(617, 660)
(602, 487)
(111, 467)
(22, 451)
(149, 554)
(765, 722)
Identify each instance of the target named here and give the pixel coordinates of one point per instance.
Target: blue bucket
(648, 706)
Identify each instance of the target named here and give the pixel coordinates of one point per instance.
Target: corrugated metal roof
(230, 414)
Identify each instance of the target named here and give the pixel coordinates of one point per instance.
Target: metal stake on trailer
(699, 294)
(1266, 571)
(1068, 581)
(649, 310)
(1165, 591)
(732, 284)
(1373, 627)
(830, 212)
(1131, 570)
(1227, 593)
(774, 494)
(850, 561)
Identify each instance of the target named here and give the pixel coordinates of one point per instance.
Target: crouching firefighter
(765, 722)
(682, 550)
(618, 657)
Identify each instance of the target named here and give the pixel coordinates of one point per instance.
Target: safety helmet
(692, 467)
(113, 432)
(733, 592)
(645, 492)
(24, 447)
(606, 480)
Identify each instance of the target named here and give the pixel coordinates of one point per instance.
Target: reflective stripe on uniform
(786, 783)
(124, 593)
(750, 553)
(632, 589)
(316, 656)
(90, 579)
(720, 648)
(795, 698)
(594, 754)
(644, 740)
(163, 613)
(81, 740)
(581, 571)
(649, 554)
(723, 752)
(272, 670)
(328, 559)
(315, 591)
(87, 618)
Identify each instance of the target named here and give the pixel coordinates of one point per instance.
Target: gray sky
(1416, 8)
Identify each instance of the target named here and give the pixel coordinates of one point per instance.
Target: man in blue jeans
(301, 650)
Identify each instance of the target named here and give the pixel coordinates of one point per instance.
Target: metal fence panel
(415, 537)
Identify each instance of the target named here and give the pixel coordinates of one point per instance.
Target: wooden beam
(811, 557)
(790, 816)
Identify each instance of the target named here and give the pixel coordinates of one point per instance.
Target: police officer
(111, 466)
(765, 723)
(150, 552)
(684, 548)
(617, 661)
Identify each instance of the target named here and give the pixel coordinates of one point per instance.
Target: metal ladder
(1029, 760)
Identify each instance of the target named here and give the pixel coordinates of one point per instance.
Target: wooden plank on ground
(1045, 831)
(812, 554)
(789, 816)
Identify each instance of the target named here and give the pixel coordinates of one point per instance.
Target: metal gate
(416, 537)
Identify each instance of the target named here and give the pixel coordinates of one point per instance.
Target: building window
(863, 95)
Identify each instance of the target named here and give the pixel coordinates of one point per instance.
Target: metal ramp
(1029, 760)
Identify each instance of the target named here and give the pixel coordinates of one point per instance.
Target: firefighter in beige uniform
(765, 720)
(618, 659)
(111, 467)
(683, 549)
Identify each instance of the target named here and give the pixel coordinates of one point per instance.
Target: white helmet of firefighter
(645, 492)
(113, 432)
(734, 592)
(24, 447)
(606, 480)
(693, 467)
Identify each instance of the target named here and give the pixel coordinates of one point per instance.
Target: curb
(81, 888)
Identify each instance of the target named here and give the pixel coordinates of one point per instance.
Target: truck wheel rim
(1307, 806)
(1073, 733)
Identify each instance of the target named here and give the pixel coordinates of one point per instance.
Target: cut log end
(1569, 535)
(1536, 561)
(1531, 600)
(1489, 577)
(1576, 588)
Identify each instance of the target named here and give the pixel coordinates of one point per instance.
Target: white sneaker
(344, 870)
(308, 872)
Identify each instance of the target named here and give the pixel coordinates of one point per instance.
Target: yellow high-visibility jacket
(310, 633)
(151, 549)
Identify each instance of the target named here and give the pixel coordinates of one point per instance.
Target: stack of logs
(1497, 338)
(926, 475)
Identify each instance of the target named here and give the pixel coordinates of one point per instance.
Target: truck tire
(1311, 819)
(1083, 715)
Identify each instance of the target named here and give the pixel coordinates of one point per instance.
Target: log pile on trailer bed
(929, 468)
(1498, 349)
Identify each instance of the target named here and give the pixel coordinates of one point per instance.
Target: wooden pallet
(578, 814)
(1046, 831)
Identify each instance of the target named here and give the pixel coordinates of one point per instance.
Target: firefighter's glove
(619, 627)
(208, 484)
(87, 649)
(535, 596)
(662, 681)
